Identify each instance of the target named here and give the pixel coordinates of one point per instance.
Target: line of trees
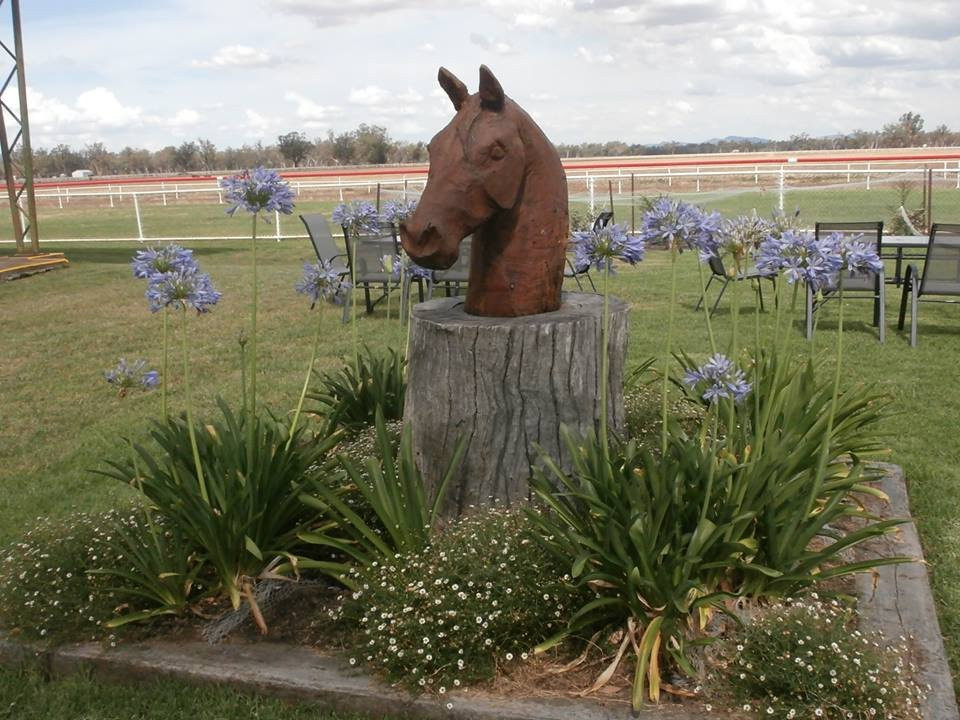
(907, 131)
(372, 145)
(366, 145)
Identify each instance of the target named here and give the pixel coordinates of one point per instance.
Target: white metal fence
(815, 189)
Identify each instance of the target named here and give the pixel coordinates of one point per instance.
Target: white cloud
(369, 95)
(236, 56)
(592, 58)
(310, 111)
(534, 20)
(427, 48)
(185, 118)
(102, 107)
(500, 47)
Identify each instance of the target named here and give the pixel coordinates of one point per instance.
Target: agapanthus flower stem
(605, 361)
(189, 403)
(163, 378)
(353, 302)
(706, 311)
(306, 380)
(252, 414)
(406, 346)
(664, 434)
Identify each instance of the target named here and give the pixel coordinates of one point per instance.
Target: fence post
(404, 189)
(756, 175)
(669, 178)
(110, 193)
(868, 176)
(60, 195)
(848, 173)
(68, 196)
(633, 204)
(698, 179)
(340, 183)
(958, 174)
(592, 204)
(136, 209)
(176, 192)
(163, 187)
(276, 214)
(619, 181)
(781, 187)
(298, 188)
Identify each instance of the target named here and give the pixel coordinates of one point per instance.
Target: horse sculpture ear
(491, 93)
(455, 90)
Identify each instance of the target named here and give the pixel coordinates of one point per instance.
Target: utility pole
(24, 220)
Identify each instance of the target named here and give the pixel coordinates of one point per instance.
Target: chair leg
(903, 303)
(405, 294)
(810, 310)
(719, 296)
(366, 297)
(882, 308)
(914, 301)
(703, 296)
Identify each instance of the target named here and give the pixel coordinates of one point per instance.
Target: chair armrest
(911, 275)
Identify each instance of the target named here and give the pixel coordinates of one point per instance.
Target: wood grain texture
(507, 385)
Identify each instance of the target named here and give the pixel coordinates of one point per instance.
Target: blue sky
(158, 73)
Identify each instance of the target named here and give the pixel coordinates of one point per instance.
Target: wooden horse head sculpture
(493, 174)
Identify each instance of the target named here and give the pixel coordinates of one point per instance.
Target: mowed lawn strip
(59, 420)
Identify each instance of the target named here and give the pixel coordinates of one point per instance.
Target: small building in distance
(82, 174)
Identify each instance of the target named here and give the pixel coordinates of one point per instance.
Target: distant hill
(740, 139)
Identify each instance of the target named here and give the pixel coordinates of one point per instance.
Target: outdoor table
(899, 243)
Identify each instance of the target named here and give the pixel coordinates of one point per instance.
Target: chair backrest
(320, 237)
(603, 219)
(716, 266)
(370, 249)
(870, 233)
(460, 270)
(941, 269)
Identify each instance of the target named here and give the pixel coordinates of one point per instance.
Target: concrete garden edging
(900, 604)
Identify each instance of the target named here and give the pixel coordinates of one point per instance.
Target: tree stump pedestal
(506, 385)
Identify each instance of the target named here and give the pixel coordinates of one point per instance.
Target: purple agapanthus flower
(128, 375)
(357, 218)
(180, 289)
(802, 258)
(738, 237)
(257, 191)
(860, 257)
(396, 211)
(718, 378)
(321, 281)
(160, 260)
(602, 247)
(675, 223)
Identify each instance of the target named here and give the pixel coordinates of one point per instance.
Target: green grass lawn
(24, 695)
(59, 421)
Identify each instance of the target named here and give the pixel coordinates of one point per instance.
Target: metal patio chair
(318, 229)
(856, 285)
(367, 251)
(940, 276)
(719, 273)
(323, 243)
(572, 271)
(457, 274)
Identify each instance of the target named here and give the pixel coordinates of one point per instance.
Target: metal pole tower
(17, 153)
